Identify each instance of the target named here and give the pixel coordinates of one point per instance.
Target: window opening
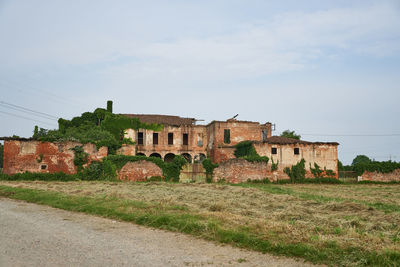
(297, 151)
(274, 151)
(170, 138)
(140, 138)
(155, 138)
(264, 135)
(185, 139)
(227, 136)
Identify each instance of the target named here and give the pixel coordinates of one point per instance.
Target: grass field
(332, 224)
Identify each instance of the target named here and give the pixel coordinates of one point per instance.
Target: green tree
(290, 134)
(340, 165)
(360, 159)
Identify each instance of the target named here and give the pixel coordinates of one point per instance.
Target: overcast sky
(326, 69)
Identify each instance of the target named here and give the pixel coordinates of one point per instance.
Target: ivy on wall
(296, 172)
(246, 150)
(113, 163)
(101, 127)
(80, 157)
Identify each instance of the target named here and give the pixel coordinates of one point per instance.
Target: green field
(332, 224)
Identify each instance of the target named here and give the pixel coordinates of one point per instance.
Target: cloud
(283, 43)
(287, 42)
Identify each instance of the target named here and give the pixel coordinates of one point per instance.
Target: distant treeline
(362, 163)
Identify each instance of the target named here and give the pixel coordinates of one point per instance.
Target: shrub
(170, 170)
(246, 150)
(274, 166)
(209, 167)
(316, 171)
(296, 172)
(80, 157)
(94, 171)
(59, 176)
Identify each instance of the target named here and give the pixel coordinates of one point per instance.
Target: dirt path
(34, 235)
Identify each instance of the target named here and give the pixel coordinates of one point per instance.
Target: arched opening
(202, 157)
(169, 157)
(140, 154)
(155, 155)
(188, 157)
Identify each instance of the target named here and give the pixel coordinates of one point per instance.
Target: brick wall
(240, 170)
(127, 150)
(139, 171)
(36, 156)
(381, 177)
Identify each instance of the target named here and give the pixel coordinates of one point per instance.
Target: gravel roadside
(34, 235)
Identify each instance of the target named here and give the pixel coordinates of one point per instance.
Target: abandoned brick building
(180, 136)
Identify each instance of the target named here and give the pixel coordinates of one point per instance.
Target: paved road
(34, 235)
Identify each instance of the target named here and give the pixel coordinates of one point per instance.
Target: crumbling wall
(325, 155)
(381, 177)
(139, 171)
(240, 170)
(35, 156)
(127, 150)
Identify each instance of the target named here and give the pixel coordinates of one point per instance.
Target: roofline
(299, 142)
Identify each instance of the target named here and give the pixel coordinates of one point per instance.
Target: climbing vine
(274, 166)
(80, 157)
(101, 127)
(246, 150)
(296, 172)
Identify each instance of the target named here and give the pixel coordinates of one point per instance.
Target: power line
(355, 135)
(26, 118)
(27, 110)
(62, 99)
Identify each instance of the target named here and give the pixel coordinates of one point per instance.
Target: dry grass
(280, 213)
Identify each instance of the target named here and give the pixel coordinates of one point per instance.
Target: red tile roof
(162, 119)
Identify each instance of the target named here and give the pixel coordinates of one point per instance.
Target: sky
(329, 70)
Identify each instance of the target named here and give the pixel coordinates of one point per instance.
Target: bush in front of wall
(296, 172)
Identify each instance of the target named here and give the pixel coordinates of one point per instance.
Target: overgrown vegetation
(28, 176)
(209, 167)
(102, 170)
(274, 166)
(296, 172)
(100, 127)
(362, 163)
(246, 150)
(319, 173)
(112, 163)
(80, 157)
(290, 134)
(318, 223)
(321, 180)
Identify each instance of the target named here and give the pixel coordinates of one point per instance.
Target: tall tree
(360, 159)
(290, 134)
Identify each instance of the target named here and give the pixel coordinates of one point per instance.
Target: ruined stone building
(180, 136)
